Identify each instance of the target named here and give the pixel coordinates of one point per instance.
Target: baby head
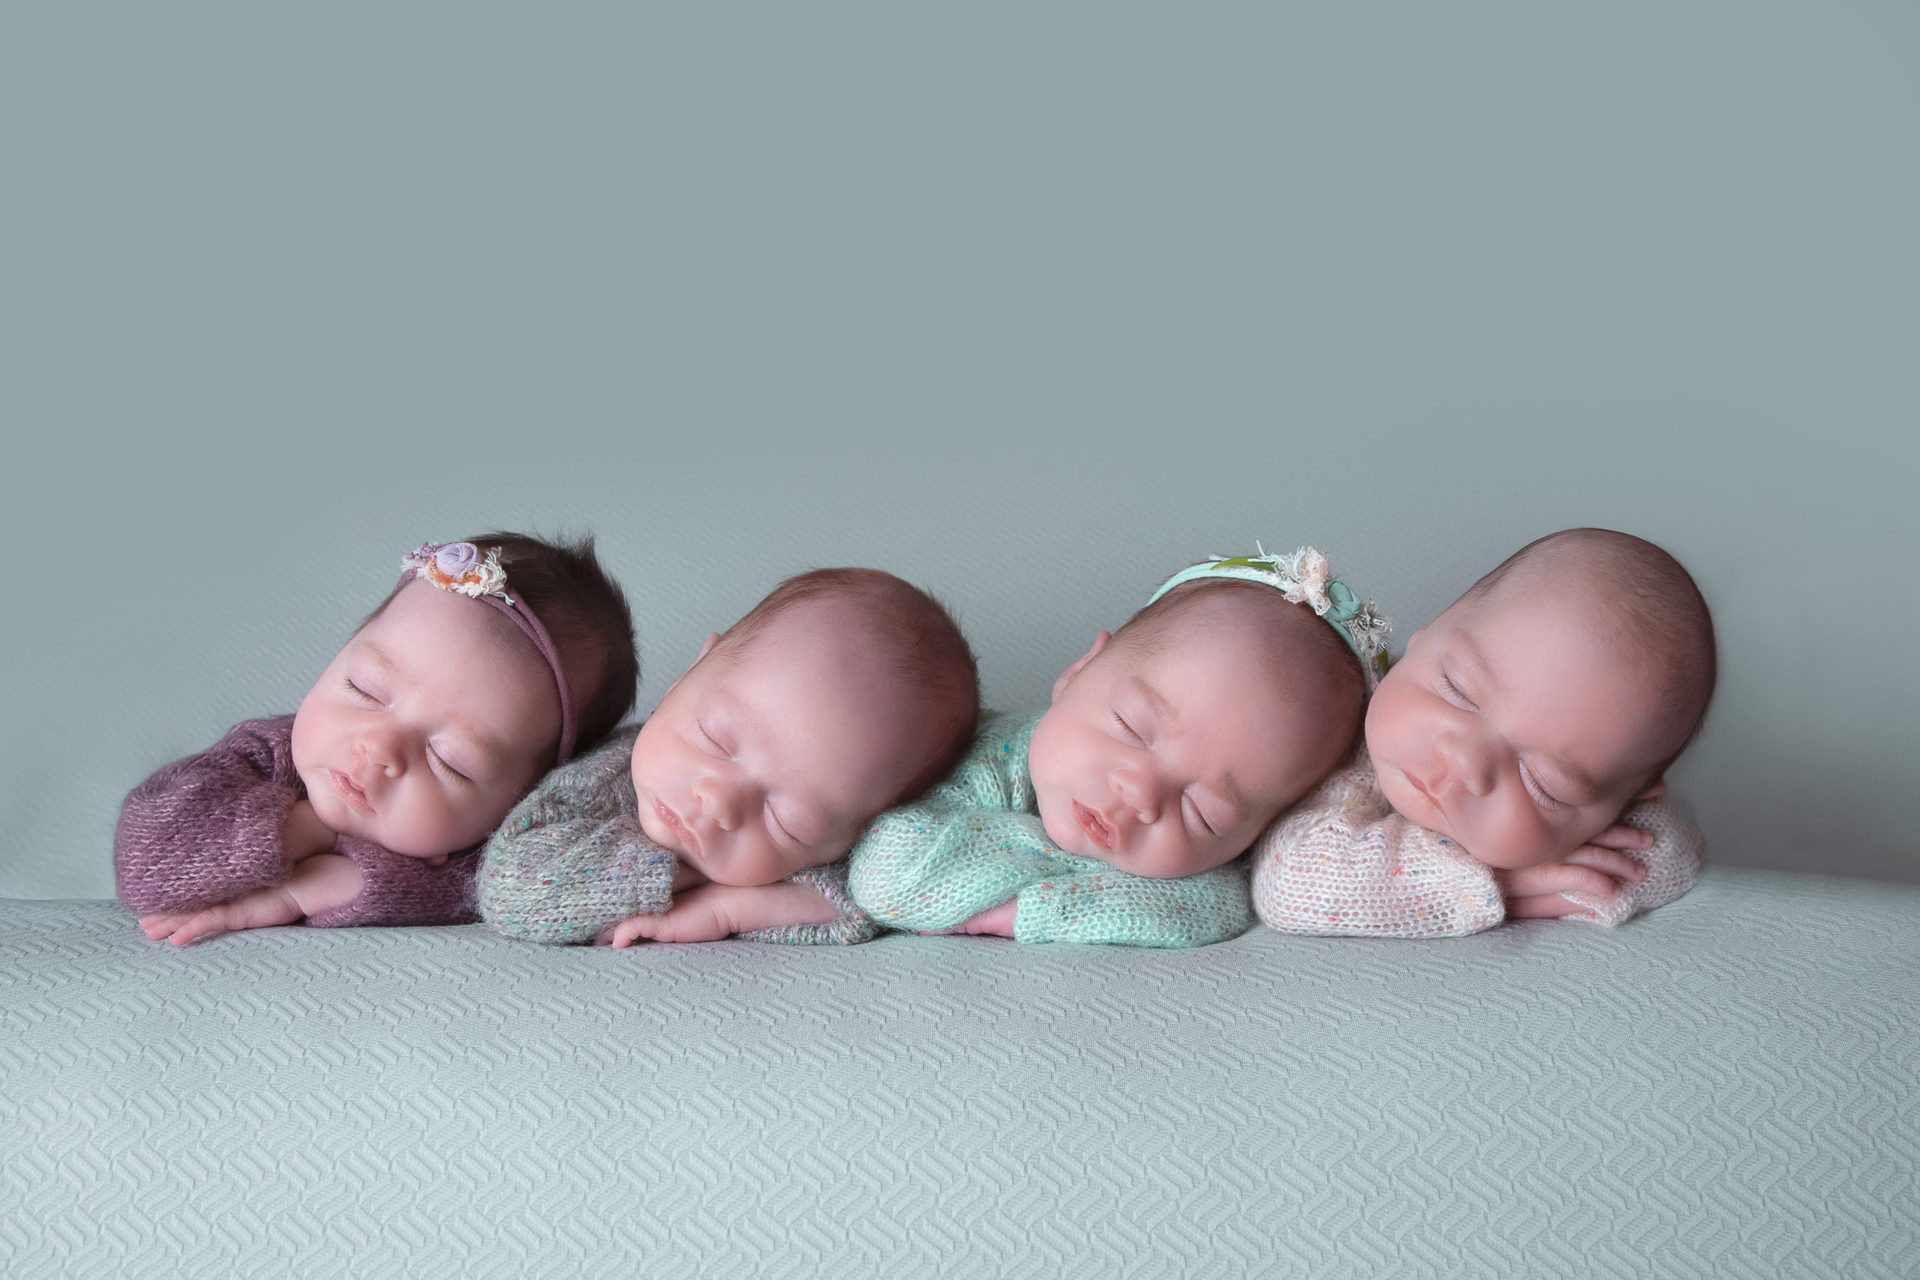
(1546, 699)
(491, 661)
(1170, 744)
(844, 692)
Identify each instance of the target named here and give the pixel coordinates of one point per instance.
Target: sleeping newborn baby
(731, 809)
(1117, 815)
(1514, 758)
(484, 666)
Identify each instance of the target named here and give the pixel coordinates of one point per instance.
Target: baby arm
(1344, 863)
(572, 859)
(1662, 844)
(1099, 904)
(320, 883)
(208, 828)
(930, 867)
(709, 912)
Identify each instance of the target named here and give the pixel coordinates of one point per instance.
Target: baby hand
(1600, 868)
(261, 909)
(994, 921)
(710, 912)
(317, 884)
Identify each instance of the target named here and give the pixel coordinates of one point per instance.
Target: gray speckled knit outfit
(572, 859)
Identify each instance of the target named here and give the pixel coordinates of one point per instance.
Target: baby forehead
(464, 657)
(1248, 626)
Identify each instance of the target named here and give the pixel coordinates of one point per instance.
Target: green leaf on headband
(1245, 562)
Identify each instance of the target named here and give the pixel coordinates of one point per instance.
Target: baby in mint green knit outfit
(730, 811)
(1118, 815)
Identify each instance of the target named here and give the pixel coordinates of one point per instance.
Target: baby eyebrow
(1468, 651)
(1158, 704)
(378, 656)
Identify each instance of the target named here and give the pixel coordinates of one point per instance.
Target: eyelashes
(1533, 789)
(440, 762)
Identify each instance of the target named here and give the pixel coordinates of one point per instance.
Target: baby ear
(706, 647)
(1066, 677)
(1655, 789)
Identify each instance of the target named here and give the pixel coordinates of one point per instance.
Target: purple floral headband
(458, 567)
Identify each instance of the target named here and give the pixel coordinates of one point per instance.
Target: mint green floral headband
(1304, 578)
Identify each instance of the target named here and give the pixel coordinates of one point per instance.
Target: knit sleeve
(968, 845)
(850, 926)
(1673, 862)
(398, 890)
(572, 858)
(207, 828)
(1343, 863)
(926, 868)
(1100, 904)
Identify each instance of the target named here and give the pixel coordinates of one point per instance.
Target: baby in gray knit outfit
(731, 809)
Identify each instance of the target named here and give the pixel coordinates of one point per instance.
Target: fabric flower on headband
(458, 567)
(1306, 578)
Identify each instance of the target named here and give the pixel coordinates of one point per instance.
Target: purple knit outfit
(206, 829)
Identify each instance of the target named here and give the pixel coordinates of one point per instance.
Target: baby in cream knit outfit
(1514, 758)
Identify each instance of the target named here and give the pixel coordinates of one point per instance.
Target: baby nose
(381, 750)
(721, 802)
(1466, 764)
(1136, 791)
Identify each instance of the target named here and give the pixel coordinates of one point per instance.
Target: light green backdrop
(1030, 303)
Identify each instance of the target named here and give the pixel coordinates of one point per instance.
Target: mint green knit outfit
(976, 840)
(572, 859)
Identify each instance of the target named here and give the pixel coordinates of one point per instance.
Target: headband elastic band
(458, 567)
(1304, 578)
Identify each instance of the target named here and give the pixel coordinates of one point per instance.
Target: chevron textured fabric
(1722, 1088)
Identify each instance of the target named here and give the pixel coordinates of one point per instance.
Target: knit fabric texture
(206, 829)
(1344, 862)
(976, 841)
(572, 859)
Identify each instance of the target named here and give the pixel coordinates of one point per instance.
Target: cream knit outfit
(1343, 862)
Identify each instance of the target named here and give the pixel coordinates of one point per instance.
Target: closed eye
(439, 762)
(1538, 792)
(1454, 694)
(1194, 807)
(774, 820)
(361, 693)
(1127, 728)
(713, 742)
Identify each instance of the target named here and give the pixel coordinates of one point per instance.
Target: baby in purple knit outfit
(490, 662)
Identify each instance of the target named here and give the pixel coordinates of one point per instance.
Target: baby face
(1518, 724)
(1167, 760)
(426, 728)
(770, 754)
